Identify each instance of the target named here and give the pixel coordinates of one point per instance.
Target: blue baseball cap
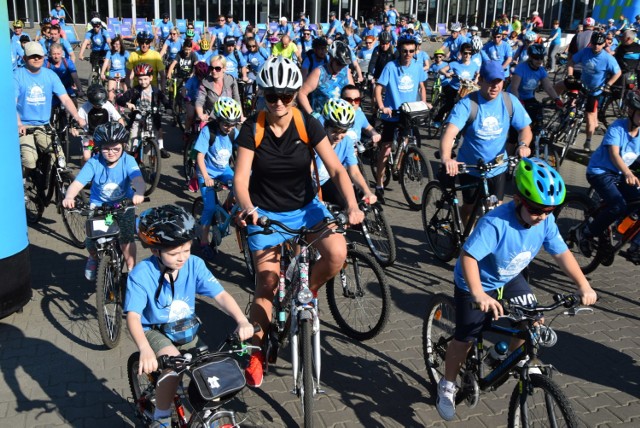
(491, 70)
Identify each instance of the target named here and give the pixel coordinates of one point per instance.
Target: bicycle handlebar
(267, 223)
(516, 312)
(482, 166)
(117, 208)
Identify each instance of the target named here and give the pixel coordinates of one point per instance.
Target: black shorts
(496, 186)
(592, 104)
(388, 130)
(470, 322)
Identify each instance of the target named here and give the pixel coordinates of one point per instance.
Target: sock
(587, 141)
(159, 414)
(161, 143)
(379, 187)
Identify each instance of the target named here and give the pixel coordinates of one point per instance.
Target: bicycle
(562, 59)
(102, 228)
(223, 218)
(542, 144)
(247, 99)
(577, 211)
(48, 183)
(536, 399)
(118, 91)
(295, 310)
(96, 71)
(215, 379)
(60, 122)
(407, 163)
(438, 103)
(174, 87)
(441, 218)
(145, 150)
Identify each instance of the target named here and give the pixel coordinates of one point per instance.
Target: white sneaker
(446, 401)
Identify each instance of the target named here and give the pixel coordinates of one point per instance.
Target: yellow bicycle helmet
(339, 113)
(204, 45)
(18, 24)
(227, 110)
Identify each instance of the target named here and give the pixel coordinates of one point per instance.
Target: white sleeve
(114, 115)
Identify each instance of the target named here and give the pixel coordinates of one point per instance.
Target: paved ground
(55, 371)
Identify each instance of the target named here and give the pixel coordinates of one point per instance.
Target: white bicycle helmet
(456, 26)
(279, 74)
(530, 36)
(476, 43)
(474, 28)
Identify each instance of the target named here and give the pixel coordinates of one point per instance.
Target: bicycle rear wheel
(149, 162)
(359, 298)
(143, 388)
(415, 174)
(74, 222)
(32, 201)
(379, 236)
(572, 214)
(438, 222)
(109, 301)
(306, 390)
(544, 405)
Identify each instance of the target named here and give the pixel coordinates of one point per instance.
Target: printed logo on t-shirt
(515, 265)
(174, 50)
(112, 192)
(490, 128)
(530, 84)
(591, 66)
(406, 84)
(179, 310)
(36, 96)
(221, 158)
(116, 63)
(629, 157)
(97, 39)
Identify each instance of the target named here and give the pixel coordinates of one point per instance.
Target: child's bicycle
(214, 379)
(536, 399)
(146, 151)
(102, 227)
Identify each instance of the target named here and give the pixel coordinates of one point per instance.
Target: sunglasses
(408, 51)
(252, 46)
(357, 100)
(497, 36)
(273, 98)
(218, 69)
(466, 53)
(35, 57)
(174, 34)
(111, 149)
(537, 210)
(221, 20)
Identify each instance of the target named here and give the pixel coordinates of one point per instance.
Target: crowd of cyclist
(277, 141)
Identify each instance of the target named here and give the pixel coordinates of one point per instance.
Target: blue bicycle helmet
(536, 51)
(405, 38)
(537, 182)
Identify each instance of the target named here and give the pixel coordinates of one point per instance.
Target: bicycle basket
(412, 113)
(215, 380)
(98, 228)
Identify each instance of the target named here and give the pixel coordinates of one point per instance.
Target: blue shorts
(310, 215)
(470, 322)
(209, 195)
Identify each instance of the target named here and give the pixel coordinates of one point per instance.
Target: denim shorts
(309, 215)
(470, 322)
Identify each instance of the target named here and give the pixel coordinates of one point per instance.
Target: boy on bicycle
(161, 294)
(610, 175)
(490, 265)
(115, 176)
(214, 146)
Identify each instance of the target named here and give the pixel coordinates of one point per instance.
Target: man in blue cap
(483, 117)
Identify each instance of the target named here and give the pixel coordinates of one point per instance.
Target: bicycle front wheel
(543, 405)
(359, 298)
(109, 301)
(379, 236)
(571, 215)
(438, 222)
(142, 388)
(415, 173)
(179, 111)
(74, 222)
(149, 162)
(306, 390)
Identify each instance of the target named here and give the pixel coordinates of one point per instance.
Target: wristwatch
(522, 144)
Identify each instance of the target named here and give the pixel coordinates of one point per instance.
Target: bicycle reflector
(437, 315)
(305, 296)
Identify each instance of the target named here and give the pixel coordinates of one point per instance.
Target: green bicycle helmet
(190, 33)
(339, 113)
(537, 182)
(227, 110)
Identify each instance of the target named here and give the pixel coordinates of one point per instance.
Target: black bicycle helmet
(144, 36)
(167, 226)
(341, 52)
(598, 38)
(110, 133)
(536, 51)
(96, 94)
(97, 116)
(384, 37)
(319, 42)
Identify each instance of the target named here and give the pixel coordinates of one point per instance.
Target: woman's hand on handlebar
(523, 151)
(387, 110)
(249, 216)
(209, 182)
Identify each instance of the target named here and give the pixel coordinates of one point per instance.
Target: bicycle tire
(150, 163)
(432, 132)
(141, 385)
(379, 236)
(188, 164)
(438, 223)
(438, 329)
(247, 255)
(179, 112)
(374, 167)
(75, 223)
(359, 298)
(109, 301)
(415, 174)
(306, 389)
(573, 213)
(34, 206)
(544, 401)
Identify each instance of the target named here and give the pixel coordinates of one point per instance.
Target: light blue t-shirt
(99, 40)
(346, 154)
(454, 45)
(336, 25)
(256, 59)
(435, 69)
(617, 135)
(232, 64)
(361, 122)
(192, 85)
(421, 57)
(217, 155)
(66, 46)
(205, 56)
(304, 45)
(595, 68)
(110, 185)
(354, 41)
(220, 32)
(118, 63)
(392, 16)
(477, 59)
(493, 52)
(402, 83)
(193, 278)
(65, 71)
(503, 247)
(173, 47)
(529, 80)
(486, 136)
(370, 32)
(163, 29)
(556, 32)
(462, 71)
(58, 14)
(34, 94)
